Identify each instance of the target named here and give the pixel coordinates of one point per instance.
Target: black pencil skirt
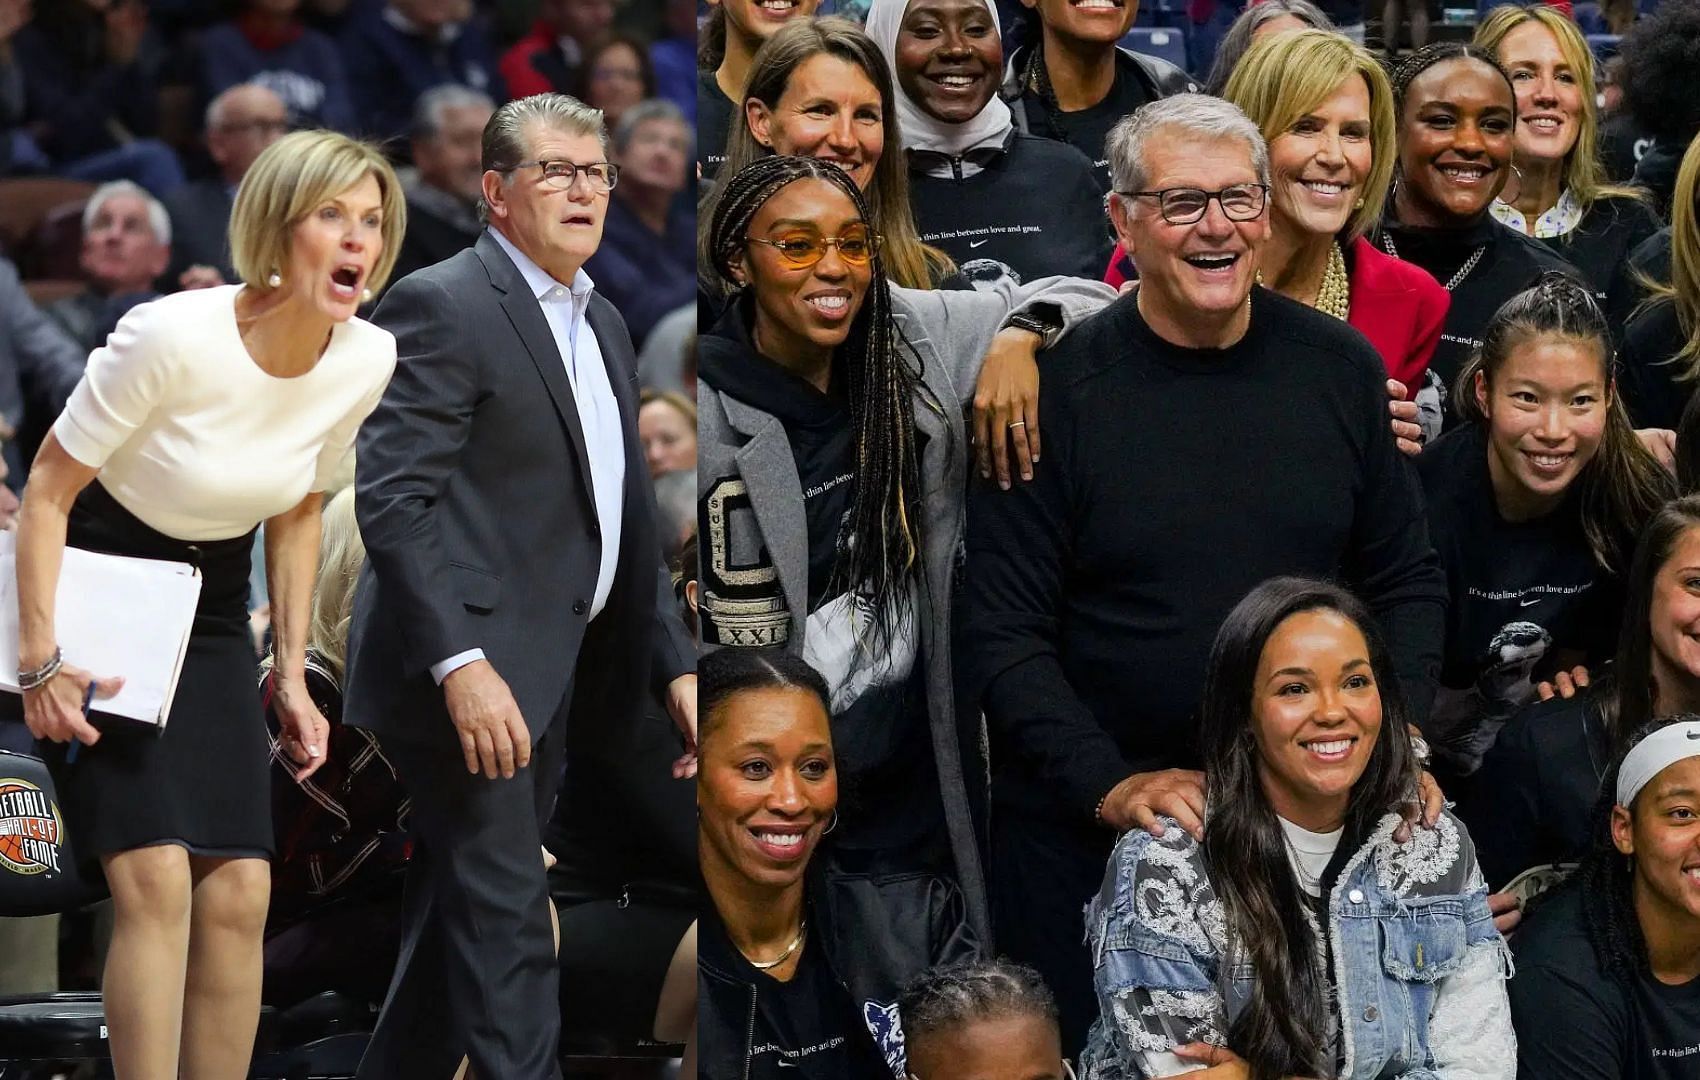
(203, 782)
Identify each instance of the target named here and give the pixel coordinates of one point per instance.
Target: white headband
(1652, 755)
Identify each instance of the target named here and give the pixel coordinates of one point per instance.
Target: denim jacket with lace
(1418, 968)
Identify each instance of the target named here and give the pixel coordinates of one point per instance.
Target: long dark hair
(1623, 485)
(886, 528)
(1628, 705)
(711, 50)
(1282, 1029)
(1606, 877)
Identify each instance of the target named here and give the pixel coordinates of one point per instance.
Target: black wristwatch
(1027, 320)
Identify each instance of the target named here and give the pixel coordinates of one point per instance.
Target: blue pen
(76, 744)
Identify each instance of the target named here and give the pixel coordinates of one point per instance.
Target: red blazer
(1398, 306)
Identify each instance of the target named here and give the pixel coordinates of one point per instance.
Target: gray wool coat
(744, 451)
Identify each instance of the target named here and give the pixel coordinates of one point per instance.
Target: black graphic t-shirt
(1575, 1021)
(888, 787)
(1087, 129)
(714, 124)
(1033, 210)
(1525, 598)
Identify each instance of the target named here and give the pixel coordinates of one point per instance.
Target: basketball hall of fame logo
(30, 828)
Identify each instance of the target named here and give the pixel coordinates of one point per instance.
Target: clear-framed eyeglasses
(1183, 206)
(1068, 1072)
(601, 175)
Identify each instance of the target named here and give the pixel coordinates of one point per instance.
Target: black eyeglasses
(561, 174)
(1183, 206)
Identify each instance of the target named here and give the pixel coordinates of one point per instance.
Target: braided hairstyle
(1606, 878)
(884, 536)
(1414, 64)
(1623, 486)
(725, 673)
(959, 993)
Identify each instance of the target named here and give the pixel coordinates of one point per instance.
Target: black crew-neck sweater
(1601, 242)
(1510, 263)
(1032, 210)
(1174, 481)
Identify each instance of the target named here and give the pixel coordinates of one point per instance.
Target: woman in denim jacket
(1299, 940)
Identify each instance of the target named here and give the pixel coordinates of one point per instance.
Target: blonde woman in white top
(205, 414)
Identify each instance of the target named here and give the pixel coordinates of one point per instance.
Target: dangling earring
(276, 280)
(365, 296)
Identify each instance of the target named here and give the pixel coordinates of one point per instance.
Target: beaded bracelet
(30, 680)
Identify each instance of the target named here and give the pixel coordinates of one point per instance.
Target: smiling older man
(1210, 435)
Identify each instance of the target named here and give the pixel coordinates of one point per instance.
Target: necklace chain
(1463, 271)
(764, 965)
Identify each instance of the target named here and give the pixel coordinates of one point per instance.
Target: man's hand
(199, 276)
(493, 735)
(1407, 433)
(682, 706)
(1566, 684)
(1138, 801)
(1006, 406)
(1661, 443)
(1506, 912)
(1427, 807)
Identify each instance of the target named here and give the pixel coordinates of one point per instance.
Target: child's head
(982, 1020)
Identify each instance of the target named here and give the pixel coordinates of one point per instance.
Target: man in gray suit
(514, 584)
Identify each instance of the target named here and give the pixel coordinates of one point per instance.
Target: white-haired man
(1214, 435)
(126, 244)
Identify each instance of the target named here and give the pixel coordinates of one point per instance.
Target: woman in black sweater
(1661, 346)
(1000, 202)
(1533, 506)
(1456, 113)
(1559, 195)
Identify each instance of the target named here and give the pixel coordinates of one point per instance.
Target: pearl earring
(1359, 205)
(365, 296)
(275, 280)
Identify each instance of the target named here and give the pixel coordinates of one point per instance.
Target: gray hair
(214, 117)
(158, 220)
(1237, 41)
(1196, 115)
(504, 136)
(645, 111)
(432, 104)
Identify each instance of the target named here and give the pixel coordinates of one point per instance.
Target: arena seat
(1165, 43)
(1604, 45)
(71, 1027)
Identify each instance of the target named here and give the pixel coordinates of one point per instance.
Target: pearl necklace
(1335, 296)
(763, 965)
(1463, 271)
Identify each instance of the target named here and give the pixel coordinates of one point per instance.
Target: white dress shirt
(564, 308)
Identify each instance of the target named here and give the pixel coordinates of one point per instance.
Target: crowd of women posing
(896, 223)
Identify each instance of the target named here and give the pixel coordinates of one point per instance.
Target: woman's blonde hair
(1683, 289)
(1285, 76)
(686, 407)
(341, 555)
(295, 176)
(1583, 176)
(909, 262)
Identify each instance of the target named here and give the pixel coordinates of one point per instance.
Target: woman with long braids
(1539, 782)
(1457, 113)
(1558, 193)
(820, 88)
(1608, 969)
(832, 464)
(1298, 939)
(1534, 507)
(799, 968)
(1661, 345)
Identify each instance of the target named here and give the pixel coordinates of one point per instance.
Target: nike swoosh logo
(977, 243)
(1526, 603)
(783, 1064)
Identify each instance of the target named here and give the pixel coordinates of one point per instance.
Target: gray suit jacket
(950, 331)
(473, 494)
(39, 365)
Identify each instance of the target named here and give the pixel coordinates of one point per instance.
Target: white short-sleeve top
(191, 436)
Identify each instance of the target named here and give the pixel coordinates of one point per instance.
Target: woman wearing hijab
(1000, 202)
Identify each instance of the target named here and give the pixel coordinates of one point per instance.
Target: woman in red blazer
(1331, 156)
